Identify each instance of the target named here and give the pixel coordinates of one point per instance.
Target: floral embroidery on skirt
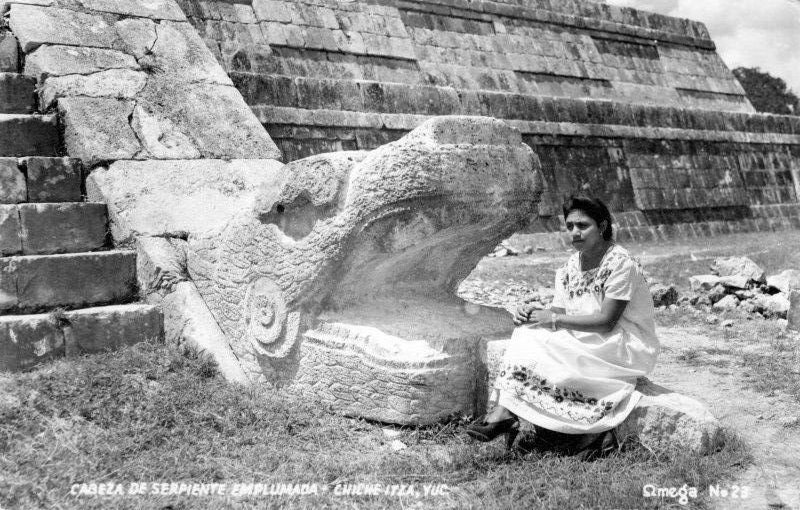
(535, 389)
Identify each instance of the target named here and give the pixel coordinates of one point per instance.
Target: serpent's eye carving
(269, 327)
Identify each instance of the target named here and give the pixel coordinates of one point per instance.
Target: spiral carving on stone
(270, 328)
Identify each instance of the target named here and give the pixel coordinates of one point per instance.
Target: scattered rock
(504, 250)
(793, 315)
(729, 302)
(663, 418)
(775, 306)
(703, 282)
(717, 293)
(734, 282)
(748, 307)
(786, 281)
(727, 324)
(712, 319)
(397, 445)
(702, 300)
(663, 295)
(391, 433)
(739, 266)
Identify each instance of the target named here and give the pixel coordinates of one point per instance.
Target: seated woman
(572, 369)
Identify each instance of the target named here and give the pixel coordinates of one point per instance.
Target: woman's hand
(525, 311)
(541, 318)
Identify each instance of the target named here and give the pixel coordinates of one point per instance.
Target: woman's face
(585, 232)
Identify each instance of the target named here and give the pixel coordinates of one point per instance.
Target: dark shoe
(486, 432)
(586, 447)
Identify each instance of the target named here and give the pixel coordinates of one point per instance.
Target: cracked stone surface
(36, 25)
(113, 83)
(160, 92)
(70, 60)
(98, 129)
(158, 9)
(136, 36)
(160, 137)
(177, 198)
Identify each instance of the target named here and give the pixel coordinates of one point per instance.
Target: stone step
(27, 340)
(35, 283)
(17, 93)
(40, 179)
(28, 135)
(45, 229)
(9, 53)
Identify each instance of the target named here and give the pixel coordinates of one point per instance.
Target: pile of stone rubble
(735, 283)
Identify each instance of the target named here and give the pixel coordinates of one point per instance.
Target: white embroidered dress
(583, 383)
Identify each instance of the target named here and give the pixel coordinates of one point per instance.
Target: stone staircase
(63, 289)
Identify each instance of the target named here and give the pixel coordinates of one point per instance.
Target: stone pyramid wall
(633, 106)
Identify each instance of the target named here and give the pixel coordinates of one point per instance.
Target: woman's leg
(499, 413)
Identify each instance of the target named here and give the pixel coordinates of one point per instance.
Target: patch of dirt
(774, 479)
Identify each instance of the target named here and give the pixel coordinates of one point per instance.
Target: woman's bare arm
(602, 322)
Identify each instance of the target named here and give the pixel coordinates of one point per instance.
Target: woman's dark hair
(593, 208)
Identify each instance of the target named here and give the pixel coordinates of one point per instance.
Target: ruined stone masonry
(64, 290)
(635, 106)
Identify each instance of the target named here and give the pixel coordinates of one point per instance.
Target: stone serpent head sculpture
(377, 240)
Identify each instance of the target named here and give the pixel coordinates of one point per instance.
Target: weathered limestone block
(156, 9)
(113, 83)
(10, 242)
(63, 60)
(739, 266)
(134, 80)
(27, 340)
(8, 285)
(136, 36)
(703, 281)
(177, 198)
(36, 25)
(17, 93)
(54, 179)
(74, 280)
(666, 419)
(191, 109)
(23, 135)
(792, 316)
(97, 130)
(354, 256)
(180, 52)
(160, 137)
(9, 54)
(12, 182)
(111, 327)
(62, 227)
(161, 270)
(786, 281)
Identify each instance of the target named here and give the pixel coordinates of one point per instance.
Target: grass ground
(148, 414)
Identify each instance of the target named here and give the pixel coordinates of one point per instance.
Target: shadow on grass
(148, 414)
